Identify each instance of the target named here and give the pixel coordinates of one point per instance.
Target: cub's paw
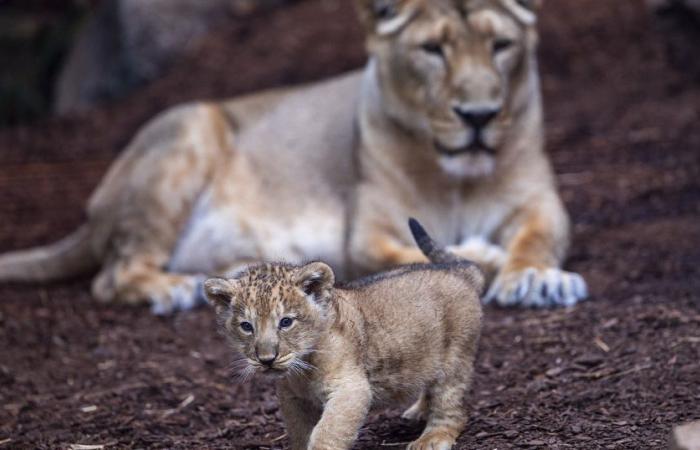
(537, 288)
(184, 294)
(434, 440)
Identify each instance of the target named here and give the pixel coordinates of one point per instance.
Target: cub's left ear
(219, 292)
(386, 17)
(524, 10)
(316, 280)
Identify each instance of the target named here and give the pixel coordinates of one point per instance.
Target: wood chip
(87, 446)
(279, 438)
(601, 344)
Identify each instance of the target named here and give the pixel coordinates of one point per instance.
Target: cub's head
(454, 71)
(273, 313)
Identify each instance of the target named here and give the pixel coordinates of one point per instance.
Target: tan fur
(332, 170)
(348, 348)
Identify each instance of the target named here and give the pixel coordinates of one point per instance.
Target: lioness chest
(219, 238)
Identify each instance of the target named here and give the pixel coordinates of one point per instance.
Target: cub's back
(420, 323)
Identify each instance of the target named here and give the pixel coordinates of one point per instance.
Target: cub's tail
(71, 256)
(431, 249)
(437, 254)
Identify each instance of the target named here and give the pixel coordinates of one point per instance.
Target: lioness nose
(477, 118)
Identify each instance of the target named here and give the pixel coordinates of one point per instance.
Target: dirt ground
(615, 372)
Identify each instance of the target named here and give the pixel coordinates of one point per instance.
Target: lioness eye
(286, 322)
(434, 48)
(502, 44)
(247, 327)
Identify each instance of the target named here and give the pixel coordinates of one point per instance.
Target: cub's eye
(433, 48)
(247, 327)
(286, 322)
(502, 44)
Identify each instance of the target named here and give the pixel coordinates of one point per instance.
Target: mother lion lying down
(444, 124)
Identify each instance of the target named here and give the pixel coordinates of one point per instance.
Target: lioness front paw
(436, 440)
(181, 296)
(489, 256)
(537, 288)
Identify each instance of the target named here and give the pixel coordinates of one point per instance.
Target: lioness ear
(386, 17)
(219, 292)
(316, 280)
(524, 10)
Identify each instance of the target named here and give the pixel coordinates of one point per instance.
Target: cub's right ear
(219, 292)
(385, 17)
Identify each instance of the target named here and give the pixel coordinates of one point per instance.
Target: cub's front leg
(348, 402)
(536, 240)
(300, 416)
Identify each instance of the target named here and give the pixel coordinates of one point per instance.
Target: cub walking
(412, 331)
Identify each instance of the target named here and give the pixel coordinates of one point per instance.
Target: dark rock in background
(69, 55)
(691, 5)
(35, 36)
(678, 27)
(129, 42)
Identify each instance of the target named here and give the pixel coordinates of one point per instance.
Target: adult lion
(444, 124)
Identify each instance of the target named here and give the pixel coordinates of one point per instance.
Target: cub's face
(451, 68)
(273, 313)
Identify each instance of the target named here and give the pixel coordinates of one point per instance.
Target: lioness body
(444, 124)
(345, 349)
(283, 194)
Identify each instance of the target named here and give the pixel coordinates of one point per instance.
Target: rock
(686, 437)
(658, 5)
(128, 42)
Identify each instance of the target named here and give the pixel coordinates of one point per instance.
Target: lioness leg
(536, 240)
(140, 278)
(145, 201)
(376, 249)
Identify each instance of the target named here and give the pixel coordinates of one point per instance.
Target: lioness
(444, 124)
(344, 348)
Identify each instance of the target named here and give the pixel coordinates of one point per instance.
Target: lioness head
(454, 71)
(272, 313)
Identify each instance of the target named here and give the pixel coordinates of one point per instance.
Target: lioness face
(273, 313)
(451, 68)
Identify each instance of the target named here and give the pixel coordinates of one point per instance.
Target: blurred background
(67, 56)
(621, 84)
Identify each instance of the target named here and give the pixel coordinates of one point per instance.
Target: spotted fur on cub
(410, 332)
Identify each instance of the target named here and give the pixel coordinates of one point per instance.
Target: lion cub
(410, 331)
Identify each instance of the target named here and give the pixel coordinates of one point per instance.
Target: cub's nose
(267, 359)
(477, 118)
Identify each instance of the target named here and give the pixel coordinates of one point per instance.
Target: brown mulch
(615, 372)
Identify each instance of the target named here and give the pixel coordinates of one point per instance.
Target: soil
(617, 371)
